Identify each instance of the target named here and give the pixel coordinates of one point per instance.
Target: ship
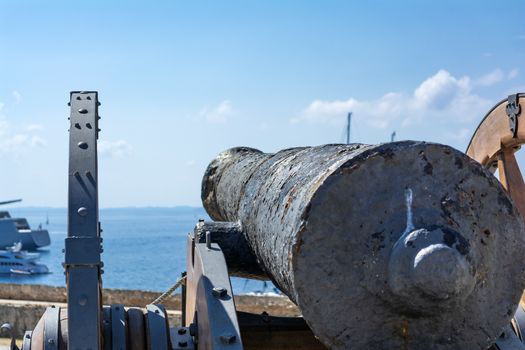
(18, 230)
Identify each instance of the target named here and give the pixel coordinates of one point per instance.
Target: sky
(181, 81)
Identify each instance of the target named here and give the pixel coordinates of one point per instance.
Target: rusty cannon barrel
(405, 245)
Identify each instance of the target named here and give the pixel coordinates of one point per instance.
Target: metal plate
(51, 328)
(509, 340)
(26, 342)
(519, 321)
(118, 327)
(217, 325)
(181, 339)
(157, 327)
(106, 327)
(136, 329)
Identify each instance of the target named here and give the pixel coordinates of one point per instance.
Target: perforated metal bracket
(83, 245)
(513, 110)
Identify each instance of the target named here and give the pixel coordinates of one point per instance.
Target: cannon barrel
(406, 245)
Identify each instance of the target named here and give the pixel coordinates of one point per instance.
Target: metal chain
(169, 292)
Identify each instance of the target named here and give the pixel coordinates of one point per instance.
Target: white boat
(18, 230)
(13, 260)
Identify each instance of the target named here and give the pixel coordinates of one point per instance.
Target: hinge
(513, 112)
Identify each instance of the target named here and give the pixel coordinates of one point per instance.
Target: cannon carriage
(405, 245)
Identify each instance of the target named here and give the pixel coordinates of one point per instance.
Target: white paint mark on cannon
(408, 200)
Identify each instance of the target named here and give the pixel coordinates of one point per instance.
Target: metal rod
(348, 123)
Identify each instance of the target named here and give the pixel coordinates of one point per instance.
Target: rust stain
(403, 331)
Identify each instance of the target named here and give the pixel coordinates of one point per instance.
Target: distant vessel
(14, 260)
(17, 230)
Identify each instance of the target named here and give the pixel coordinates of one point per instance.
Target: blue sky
(181, 81)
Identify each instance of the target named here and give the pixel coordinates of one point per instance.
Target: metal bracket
(157, 327)
(509, 340)
(26, 343)
(82, 260)
(210, 298)
(513, 112)
(8, 328)
(519, 323)
(118, 327)
(181, 339)
(51, 328)
(106, 327)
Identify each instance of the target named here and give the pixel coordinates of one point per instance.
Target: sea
(144, 248)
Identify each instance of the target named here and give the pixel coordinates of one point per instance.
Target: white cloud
(34, 127)
(440, 103)
(491, 78)
(440, 97)
(17, 96)
(19, 141)
(512, 74)
(218, 114)
(116, 149)
(13, 142)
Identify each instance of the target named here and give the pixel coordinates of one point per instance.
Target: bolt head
(219, 292)
(82, 211)
(228, 338)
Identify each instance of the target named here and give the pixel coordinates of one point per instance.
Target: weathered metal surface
(239, 256)
(82, 260)
(157, 331)
(353, 233)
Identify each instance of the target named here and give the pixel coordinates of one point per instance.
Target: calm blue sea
(144, 248)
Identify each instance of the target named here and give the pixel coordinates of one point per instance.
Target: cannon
(405, 245)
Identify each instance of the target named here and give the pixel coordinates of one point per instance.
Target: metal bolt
(183, 344)
(82, 211)
(181, 331)
(208, 239)
(82, 300)
(82, 111)
(82, 145)
(228, 338)
(51, 341)
(219, 292)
